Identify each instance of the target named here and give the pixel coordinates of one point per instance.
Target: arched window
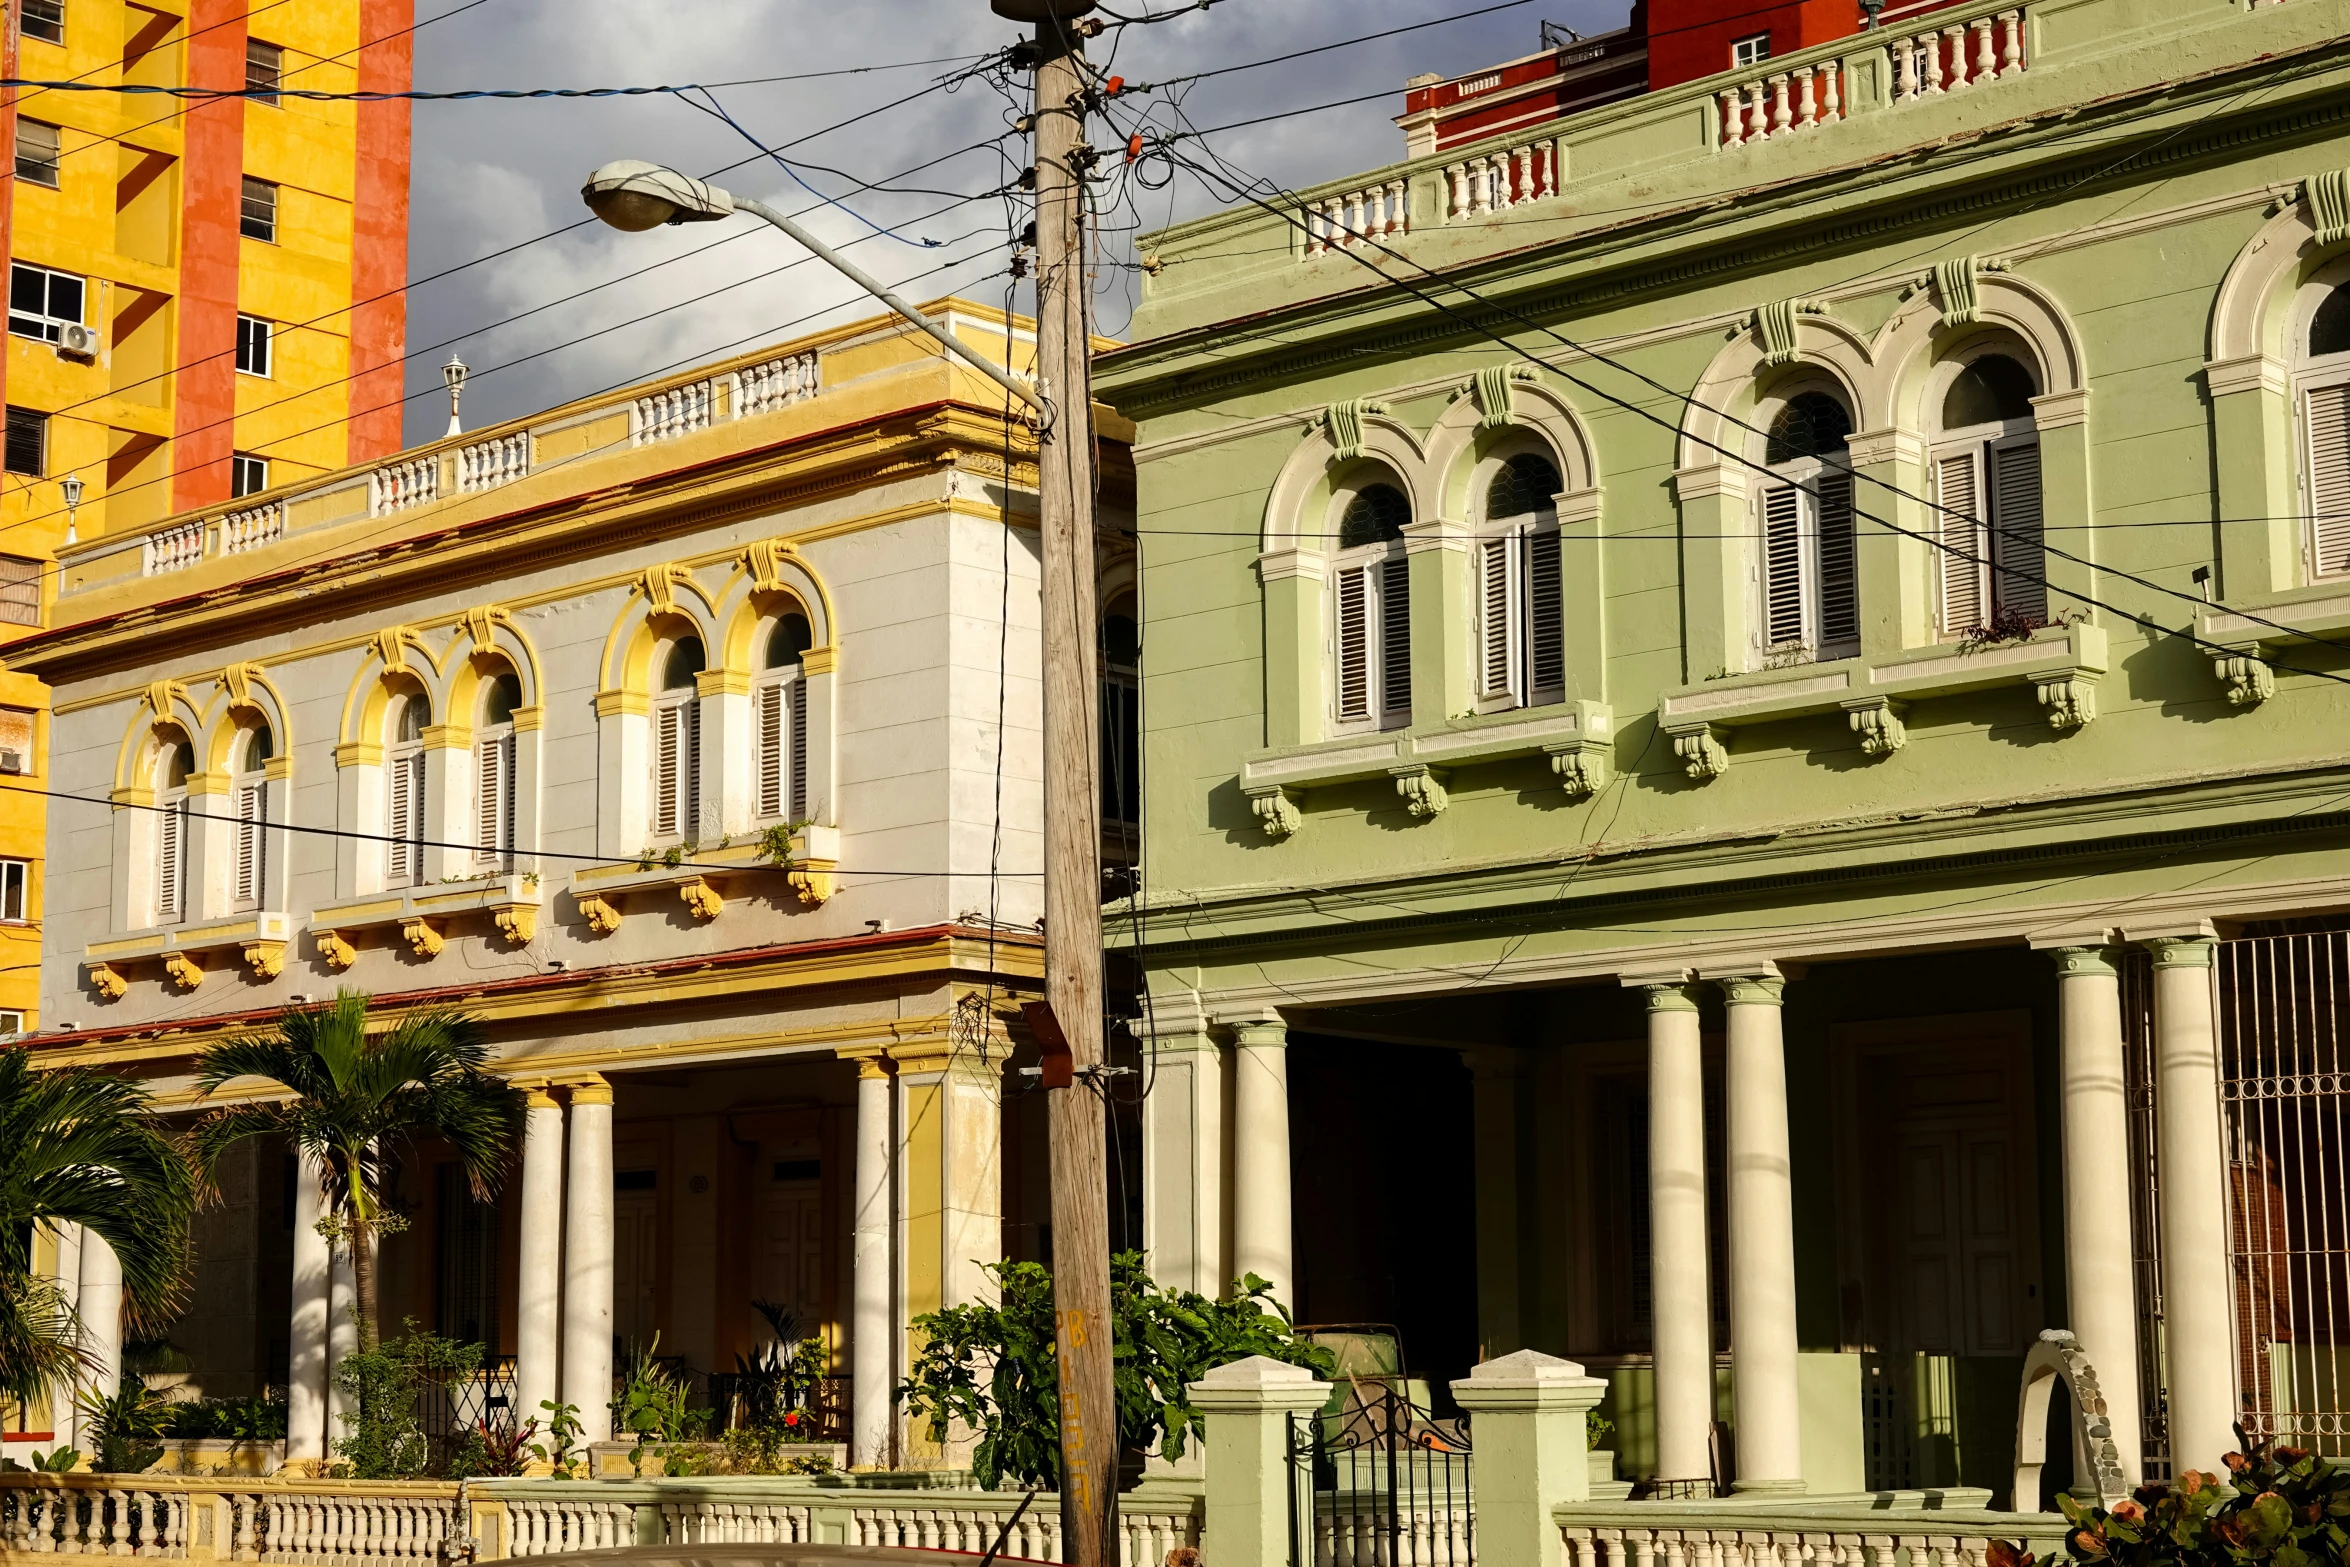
(2323, 374)
(493, 773)
(249, 804)
(1987, 489)
(1371, 589)
(1809, 587)
(1521, 631)
(404, 725)
(677, 742)
(172, 769)
(1121, 719)
(779, 700)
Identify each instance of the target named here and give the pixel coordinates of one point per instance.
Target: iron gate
(1375, 1482)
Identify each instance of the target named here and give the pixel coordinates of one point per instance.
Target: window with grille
(20, 604)
(1521, 630)
(43, 302)
(257, 210)
(677, 743)
(1993, 564)
(37, 152)
(42, 19)
(253, 345)
(493, 774)
(1806, 577)
(15, 877)
(265, 66)
(1371, 630)
(404, 790)
(28, 442)
(249, 812)
(779, 703)
(247, 474)
(2323, 405)
(171, 834)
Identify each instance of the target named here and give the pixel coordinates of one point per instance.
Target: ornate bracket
(2250, 679)
(1955, 281)
(659, 584)
(267, 959)
(424, 938)
(1345, 421)
(1276, 812)
(184, 970)
(603, 917)
(2071, 701)
(813, 883)
(108, 981)
(1584, 767)
(1878, 723)
(702, 898)
(2328, 195)
(1776, 323)
(336, 949)
(1492, 387)
(1703, 755)
(518, 923)
(1422, 789)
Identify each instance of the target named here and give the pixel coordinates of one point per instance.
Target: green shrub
(385, 1440)
(260, 1419)
(2284, 1506)
(128, 1427)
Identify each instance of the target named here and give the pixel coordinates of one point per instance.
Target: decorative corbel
(659, 586)
(1584, 765)
(108, 981)
(1955, 281)
(237, 680)
(482, 622)
(392, 645)
(267, 959)
(603, 917)
(184, 970)
(1879, 724)
(2250, 679)
(1492, 390)
(702, 898)
(1422, 788)
(762, 561)
(1704, 756)
(518, 922)
(813, 882)
(1276, 812)
(336, 948)
(1776, 324)
(2071, 701)
(424, 938)
(162, 693)
(2328, 195)
(1345, 423)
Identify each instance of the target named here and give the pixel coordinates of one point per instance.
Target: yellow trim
(820, 660)
(539, 1099)
(528, 720)
(613, 703)
(278, 769)
(722, 682)
(448, 737)
(594, 1091)
(359, 753)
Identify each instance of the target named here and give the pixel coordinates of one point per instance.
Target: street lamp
(633, 196)
(453, 375)
(70, 488)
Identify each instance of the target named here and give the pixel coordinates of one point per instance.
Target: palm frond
(38, 1335)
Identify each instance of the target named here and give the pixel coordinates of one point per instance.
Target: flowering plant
(2284, 1505)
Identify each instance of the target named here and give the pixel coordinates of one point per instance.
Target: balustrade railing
(1373, 212)
(487, 464)
(172, 549)
(333, 1529)
(1782, 102)
(664, 416)
(1645, 1534)
(547, 1528)
(774, 384)
(400, 485)
(94, 1520)
(1497, 181)
(1937, 60)
(252, 528)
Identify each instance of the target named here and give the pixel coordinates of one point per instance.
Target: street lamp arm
(890, 297)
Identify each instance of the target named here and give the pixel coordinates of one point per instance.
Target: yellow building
(205, 301)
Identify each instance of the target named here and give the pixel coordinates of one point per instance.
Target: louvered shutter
(252, 867)
(689, 772)
(1395, 637)
(2326, 413)
(1839, 576)
(1782, 541)
(170, 860)
(668, 752)
(1546, 612)
(493, 798)
(1966, 588)
(1497, 618)
(1353, 643)
(2021, 585)
(772, 760)
(797, 701)
(404, 817)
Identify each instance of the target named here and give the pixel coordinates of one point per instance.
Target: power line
(458, 95)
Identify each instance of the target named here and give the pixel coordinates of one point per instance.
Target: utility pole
(1070, 1025)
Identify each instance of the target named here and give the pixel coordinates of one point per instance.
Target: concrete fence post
(1249, 1404)
(1527, 1432)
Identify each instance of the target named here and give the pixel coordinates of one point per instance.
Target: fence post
(1528, 1439)
(1248, 1404)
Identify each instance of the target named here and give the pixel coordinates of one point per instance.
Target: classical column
(1681, 1303)
(101, 1309)
(64, 1419)
(2199, 1328)
(1183, 1187)
(1763, 1371)
(948, 1212)
(872, 1339)
(538, 1306)
(2100, 1282)
(342, 1337)
(306, 1336)
(1262, 1242)
(587, 1262)
(1497, 1074)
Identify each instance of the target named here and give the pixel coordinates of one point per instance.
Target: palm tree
(353, 1094)
(78, 1146)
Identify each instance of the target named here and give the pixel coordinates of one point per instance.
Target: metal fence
(1376, 1483)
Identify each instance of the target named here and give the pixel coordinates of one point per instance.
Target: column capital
(2092, 937)
(1265, 1031)
(590, 1090)
(1669, 990)
(1753, 990)
(2181, 951)
(2084, 960)
(871, 1061)
(537, 1098)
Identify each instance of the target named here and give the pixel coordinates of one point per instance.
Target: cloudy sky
(493, 280)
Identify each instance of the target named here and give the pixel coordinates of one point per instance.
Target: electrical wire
(464, 95)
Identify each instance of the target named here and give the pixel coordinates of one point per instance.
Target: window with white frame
(1750, 50)
(493, 773)
(247, 474)
(1371, 610)
(2322, 402)
(1121, 724)
(677, 742)
(1521, 629)
(43, 302)
(38, 148)
(1808, 590)
(171, 832)
(1993, 565)
(404, 729)
(249, 812)
(15, 880)
(253, 345)
(779, 708)
(42, 19)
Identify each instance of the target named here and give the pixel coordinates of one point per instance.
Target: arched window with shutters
(404, 725)
(1521, 627)
(2322, 401)
(677, 742)
(1806, 578)
(249, 818)
(493, 773)
(173, 767)
(1986, 456)
(779, 721)
(1371, 620)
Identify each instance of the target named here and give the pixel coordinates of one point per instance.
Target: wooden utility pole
(1076, 1103)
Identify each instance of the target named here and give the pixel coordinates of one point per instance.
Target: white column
(101, 1309)
(2199, 1319)
(2100, 1283)
(872, 1337)
(342, 1337)
(538, 1307)
(64, 1419)
(1262, 1241)
(1682, 1303)
(306, 1336)
(1183, 1229)
(1763, 1372)
(587, 1262)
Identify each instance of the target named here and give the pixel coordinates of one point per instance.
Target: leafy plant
(1595, 1429)
(385, 1439)
(559, 1450)
(486, 1452)
(233, 1419)
(127, 1426)
(775, 843)
(778, 1376)
(56, 1461)
(765, 1449)
(1163, 1340)
(2285, 1506)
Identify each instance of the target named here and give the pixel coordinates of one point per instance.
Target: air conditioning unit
(81, 341)
(13, 760)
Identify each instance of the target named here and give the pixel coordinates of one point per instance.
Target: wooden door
(791, 1249)
(636, 1265)
(1957, 1272)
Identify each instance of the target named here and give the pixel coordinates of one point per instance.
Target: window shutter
(405, 818)
(1782, 540)
(2021, 585)
(493, 798)
(798, 694)
(1395, 636)
(1546, 611)
(689, 783)
(1497, 614)
(772, 760)
(1965, 584)
(252, 848)
(170, 860)
(2326, 413)
(506, 794)
(1839, 575)
(668, 743)
(1354, 643)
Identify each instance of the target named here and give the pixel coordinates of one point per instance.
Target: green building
(1746, 733)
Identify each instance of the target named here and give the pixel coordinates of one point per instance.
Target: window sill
(258, 940)
(2239, 646)
(2061, 663)
(703, 880)
(1578, 737)
(422, 915)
